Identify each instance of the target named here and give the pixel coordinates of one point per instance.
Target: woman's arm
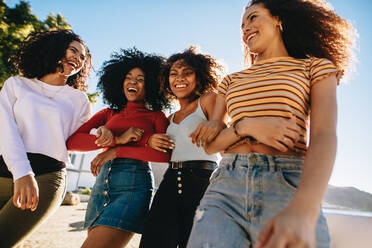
(141, 149)
(82, 140)
(297, 222)
(213, 106)
(12, 148)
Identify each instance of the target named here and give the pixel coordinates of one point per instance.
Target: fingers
(104, 137)
(94, 165)
(277, 241)
(35, 200)
(195, 134)
(16, 200)
(265, 234)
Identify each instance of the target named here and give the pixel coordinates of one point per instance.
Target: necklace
(51, 97)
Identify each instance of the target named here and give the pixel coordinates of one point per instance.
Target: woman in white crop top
(38, 112)
(188, 77)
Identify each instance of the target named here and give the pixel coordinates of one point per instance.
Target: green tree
(15, 25)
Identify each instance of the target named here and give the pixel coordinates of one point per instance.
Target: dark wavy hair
(311, 29)
(113, 72)
(40, 52)
(207, 69)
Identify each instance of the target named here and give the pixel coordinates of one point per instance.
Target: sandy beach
(64, 230)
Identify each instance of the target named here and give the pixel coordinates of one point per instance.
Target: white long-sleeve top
(37, 117)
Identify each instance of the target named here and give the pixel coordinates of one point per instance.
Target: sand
(64, 230)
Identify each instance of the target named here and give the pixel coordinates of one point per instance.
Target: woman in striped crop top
(188, 77)
(270, 183)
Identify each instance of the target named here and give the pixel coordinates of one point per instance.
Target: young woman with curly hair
(268, 189)
(122, 192)
(38, 112)
(190, 78)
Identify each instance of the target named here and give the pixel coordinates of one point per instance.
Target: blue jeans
(245, 192)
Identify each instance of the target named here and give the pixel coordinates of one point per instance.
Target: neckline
(273, 59)
(198, 105)
(134, 106)
(49, 86)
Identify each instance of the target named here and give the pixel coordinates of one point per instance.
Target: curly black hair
(208, 71)
(311, 29)
(113, 72)
(40, 52)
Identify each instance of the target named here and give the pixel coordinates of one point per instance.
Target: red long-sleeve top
(133, 115)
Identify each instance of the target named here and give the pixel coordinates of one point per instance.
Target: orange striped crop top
(276, 87)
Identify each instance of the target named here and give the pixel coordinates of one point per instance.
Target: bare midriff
(259, 148)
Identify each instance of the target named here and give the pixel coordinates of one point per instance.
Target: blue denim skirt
(244, 193)
(121, 195)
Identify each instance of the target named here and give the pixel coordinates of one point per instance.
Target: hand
(288, 229)
(132, 134)
(101, 159)
(104, 136)
(26, 193)
(160, 142)
(278, 133)
(206, 132)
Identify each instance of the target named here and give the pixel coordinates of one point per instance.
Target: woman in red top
(122, 193)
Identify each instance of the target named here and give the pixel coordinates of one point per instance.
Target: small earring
(280, 27)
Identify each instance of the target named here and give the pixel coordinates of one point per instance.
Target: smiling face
(260, 29)
(74, 59)
(134, 85)
(182, 79)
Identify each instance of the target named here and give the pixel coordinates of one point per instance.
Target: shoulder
(77, 95)
(208, 98)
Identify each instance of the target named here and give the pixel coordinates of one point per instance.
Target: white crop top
(184, 149)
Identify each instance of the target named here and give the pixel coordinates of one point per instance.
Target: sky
(168, 26)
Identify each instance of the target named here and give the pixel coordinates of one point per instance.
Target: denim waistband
(271, 162)
(129, 161)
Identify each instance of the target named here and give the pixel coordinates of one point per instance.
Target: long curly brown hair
(311, 29)
(39, 53)
(207, 69)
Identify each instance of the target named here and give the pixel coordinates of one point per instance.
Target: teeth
(251, 36)
(178, 86)
(132, 89)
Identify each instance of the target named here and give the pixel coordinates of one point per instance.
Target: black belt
(198, 164)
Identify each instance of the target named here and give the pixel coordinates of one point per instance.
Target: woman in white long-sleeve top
(38, 112)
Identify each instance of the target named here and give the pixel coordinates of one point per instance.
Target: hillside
(348, 198)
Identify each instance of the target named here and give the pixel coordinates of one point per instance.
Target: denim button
(105, 204)
(179, 172)
(109, 168)
(253, 159)
(178, 178)
(179, 185)
(106, 181)
(179, 192)
(105, 192)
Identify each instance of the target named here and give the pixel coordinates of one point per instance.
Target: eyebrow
(249, 16)
(76, 50)
(140, 75)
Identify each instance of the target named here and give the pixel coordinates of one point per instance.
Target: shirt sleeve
(85, 113)
(145, 152)
(12, 147)
(82, 140)
(323, 68)
(223, 86)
